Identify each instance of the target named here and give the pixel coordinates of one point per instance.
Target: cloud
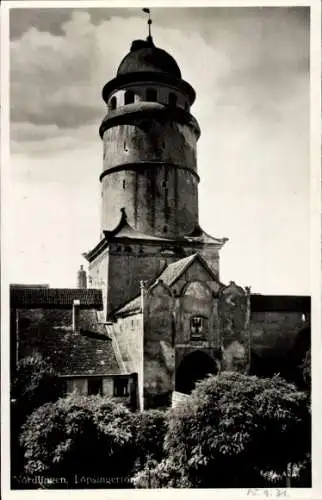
(47, 140)
(250, 70)
(57, 79)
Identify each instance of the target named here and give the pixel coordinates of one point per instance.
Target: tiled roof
(131, 307)
(199, 235)
(173, 271)
(128, 231)
(55, 297)
(29, 285)
(291, 303)
(259, 303)
(49, 332)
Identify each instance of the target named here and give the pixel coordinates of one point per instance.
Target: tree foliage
(306, 368)
(233, 429)
(79, 436)
(150, 429)
(34, 384)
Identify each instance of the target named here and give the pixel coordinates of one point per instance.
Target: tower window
(128, 97)
(173, 100)
(197, 327)
(165, 229)
(113, 103)
(123, 184)
(151, 95)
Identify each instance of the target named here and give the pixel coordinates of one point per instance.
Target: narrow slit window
(113, 103)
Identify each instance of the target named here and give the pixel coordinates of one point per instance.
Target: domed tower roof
(146, 62)
(144, 56)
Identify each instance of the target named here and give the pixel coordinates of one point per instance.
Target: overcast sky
(249, 67)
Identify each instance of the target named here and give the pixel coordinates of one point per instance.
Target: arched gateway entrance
(195, 366)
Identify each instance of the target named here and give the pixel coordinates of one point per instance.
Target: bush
(150, 429)
(34, 384)
(232, 432)
(80, 437)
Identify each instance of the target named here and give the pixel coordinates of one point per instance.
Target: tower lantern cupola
(149, 145)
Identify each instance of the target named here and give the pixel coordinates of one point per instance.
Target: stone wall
(275, 330)
(158, 327)
(150, 140)
(136, 262)
(141, 260)
(149, 167)
(168, 312)
(279, 341)
(161, 200)
(98, 276)
(127, 337)
(78, 385)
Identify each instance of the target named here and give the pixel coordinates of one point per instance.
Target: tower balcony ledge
(129, 113)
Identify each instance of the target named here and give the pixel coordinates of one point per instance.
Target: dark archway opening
(194, 367)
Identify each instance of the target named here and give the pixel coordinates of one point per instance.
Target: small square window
(94, 386)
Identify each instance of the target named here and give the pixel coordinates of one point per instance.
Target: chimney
(76, 316)
(81, 278)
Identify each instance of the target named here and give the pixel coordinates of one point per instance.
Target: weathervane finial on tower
(147, 11)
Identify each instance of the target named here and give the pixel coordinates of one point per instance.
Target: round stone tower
(149, 140)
